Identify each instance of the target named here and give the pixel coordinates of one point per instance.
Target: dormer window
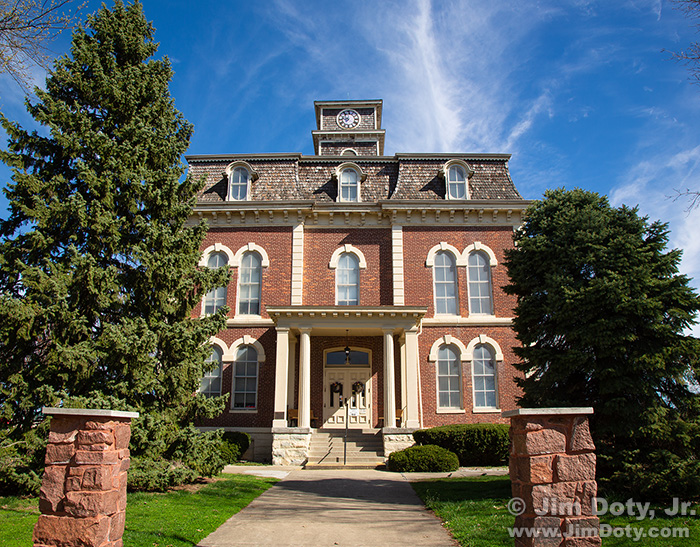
(349, 176)
(240, 174)
(456, 175)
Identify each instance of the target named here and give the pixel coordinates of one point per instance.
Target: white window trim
(460, 258)
(435, 306)
(448, 340)
(252, 175)
(216, 248)
(347, 248)
(245, 340)
(449, 409)
(236, 263)
(479, 246)
(236, 259)
(482, 339)
(468, 172)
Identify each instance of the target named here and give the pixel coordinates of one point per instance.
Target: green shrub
(233, 445)
(474, 444)
(427, 458)
(158, 475)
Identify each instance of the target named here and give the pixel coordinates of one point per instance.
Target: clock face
(348, 119)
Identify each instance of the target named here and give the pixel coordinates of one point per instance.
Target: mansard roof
(291, 177)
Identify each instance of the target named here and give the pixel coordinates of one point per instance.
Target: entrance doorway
(352, 383)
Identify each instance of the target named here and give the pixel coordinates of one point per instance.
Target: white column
(305, 379)
(412, 414)
(281, 368)
(389, 383)
(402, 365)
(292, 374)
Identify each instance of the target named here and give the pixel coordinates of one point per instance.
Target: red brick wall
(375, 280)
(418, 279)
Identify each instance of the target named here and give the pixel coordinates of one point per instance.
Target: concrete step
(329, 448)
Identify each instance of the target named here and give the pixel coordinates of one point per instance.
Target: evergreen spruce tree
(601, 310)
(98, 265)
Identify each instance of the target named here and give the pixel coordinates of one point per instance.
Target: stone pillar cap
(100, 413)
(559, 411)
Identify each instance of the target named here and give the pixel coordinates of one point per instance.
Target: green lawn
(475, 511)
(174, 519)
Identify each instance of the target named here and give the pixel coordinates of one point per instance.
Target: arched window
(245, 378)
(484, 377)
(445, 280)
(249, 284)
(349, 185)
(211, 382)
(347, 280)
(216, 298)
(479, 272)
(456, 182)
(449, 377)
(238, 184)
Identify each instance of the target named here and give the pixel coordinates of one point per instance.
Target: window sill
(450, 411)
(243, 411)
(486, 410)
(474, 320)
(249, 321)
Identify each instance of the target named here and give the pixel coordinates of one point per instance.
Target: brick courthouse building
(397, 258)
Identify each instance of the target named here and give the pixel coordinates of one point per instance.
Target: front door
(339, 382)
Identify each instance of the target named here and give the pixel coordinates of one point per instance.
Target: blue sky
(581, 93)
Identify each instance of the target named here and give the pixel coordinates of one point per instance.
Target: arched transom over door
(347, 384)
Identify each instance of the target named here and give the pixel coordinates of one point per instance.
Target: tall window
(480, 284)
(238, 184)
(445, 277)
(449, 378)
(211, 383)
(249, 284)
(216, 298)
(349, 185)
(245, 378)
(347, 280)
(484, 373)
(456, 182)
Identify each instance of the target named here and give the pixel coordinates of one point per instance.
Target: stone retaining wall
(396, 439)
(552, 470)
(83, 491)
(290, 445)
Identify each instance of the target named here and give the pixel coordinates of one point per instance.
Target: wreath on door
(337, 387)
(358, 387)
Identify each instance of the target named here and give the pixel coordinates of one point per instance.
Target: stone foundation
(552, 470)
(290, 445)
(397, 438)
(83, 490)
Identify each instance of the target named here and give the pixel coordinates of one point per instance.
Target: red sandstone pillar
(83, 491)
(552, 471)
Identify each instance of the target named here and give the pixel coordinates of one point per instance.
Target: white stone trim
(483, 339)
(216, 248)
(478, 246)
(347, 248)
(297, 264)
(214, 341)
(250, 247)
(397, 264)
(460, 259)
(476, 320)
(447, 340)
(247, 340)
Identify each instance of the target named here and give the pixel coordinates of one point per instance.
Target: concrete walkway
(325, 508)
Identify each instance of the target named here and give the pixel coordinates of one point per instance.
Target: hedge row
(422, 459)
(474, 444)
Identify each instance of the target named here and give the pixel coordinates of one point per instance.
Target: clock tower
(348, 128)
